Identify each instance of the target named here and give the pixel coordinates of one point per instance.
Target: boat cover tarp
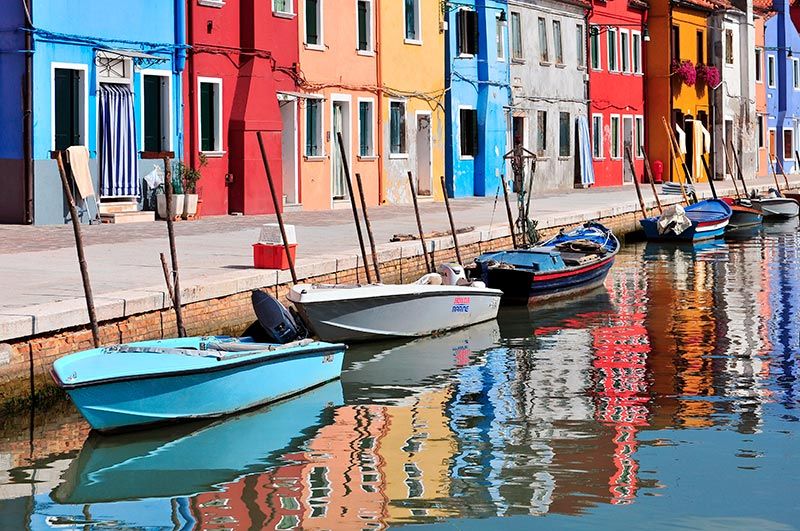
(673, 219)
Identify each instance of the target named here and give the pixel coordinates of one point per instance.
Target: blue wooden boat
(566, 264)
(707, 219)
(151, 382)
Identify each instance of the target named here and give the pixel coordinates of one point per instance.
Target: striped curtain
(117, 146)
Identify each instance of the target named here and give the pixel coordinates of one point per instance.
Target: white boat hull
(366, 313)
(777, 207)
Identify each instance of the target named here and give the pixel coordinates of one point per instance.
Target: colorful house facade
(242, 79)
(549, 87)
(762, 10)
(782, 52)
(617, 35)
(478, 93)
(110, 83)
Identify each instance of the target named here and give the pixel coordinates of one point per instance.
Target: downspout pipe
(190, 89)
(27, 116)
(379, 81)
(179, 64)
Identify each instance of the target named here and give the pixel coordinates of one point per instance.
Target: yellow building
(411, 126)
(678, 33)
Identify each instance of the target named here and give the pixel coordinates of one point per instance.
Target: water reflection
(654, 391)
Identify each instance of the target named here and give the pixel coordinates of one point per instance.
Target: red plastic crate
(267, 256)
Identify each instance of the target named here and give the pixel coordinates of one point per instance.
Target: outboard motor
(275, 323)
(452, 275)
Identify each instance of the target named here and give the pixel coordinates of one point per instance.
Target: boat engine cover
(453, 275)
(277, 322)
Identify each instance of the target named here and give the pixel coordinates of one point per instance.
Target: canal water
(668, 399)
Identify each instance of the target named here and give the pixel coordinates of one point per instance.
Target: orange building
(762, 10)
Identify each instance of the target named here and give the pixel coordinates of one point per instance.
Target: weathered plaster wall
(12, 71)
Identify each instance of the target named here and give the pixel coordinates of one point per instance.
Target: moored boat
(699, 221)
(776, 206)
(568, 263)
(743, 214)
(435, 303)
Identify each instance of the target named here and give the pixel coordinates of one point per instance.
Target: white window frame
(558, 45)
(541, 26)
(601, 154)
(789, 130)
(321, 99)
(536, 150)
(638, 124)
(288, 14)
(581, 46)
(463, 55)
(514, 57)
(404, 154)
(370, 51)
(728, 50)
(772, 132)
(372, 155)
(796, 73)
(615, 48)
(625, 52)
(84, 101)
(500, 26)
(615, 142)
(166, 114)
(773, 70)
(461, 156)
(211, 3)
(321, 19)
(594, 33)
(636, 43)
(219, 149)
(418, 20)
(762, 120)
(759, 71)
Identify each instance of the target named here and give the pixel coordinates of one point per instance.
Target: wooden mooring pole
(452, 224)
(76, 227)
(629, 156)
(430, 266)
(652, 181)
(508, 213)
(346, 168)
(372, 249)
(173, 251)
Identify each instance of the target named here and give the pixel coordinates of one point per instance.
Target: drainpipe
(192, 147)
(27, 116)
(379, 80)
(178, 66)
(587, 58)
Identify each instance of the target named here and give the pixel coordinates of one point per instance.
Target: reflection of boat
(397, 370)
(564, 265)
(435, 303)
(788, 226)
(702, 220)
(693, 250)
(189, 458)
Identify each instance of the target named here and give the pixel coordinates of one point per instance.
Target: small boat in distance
(435, 303)
(152, 382)
(775, 206)
(566, 264)
(699, 221)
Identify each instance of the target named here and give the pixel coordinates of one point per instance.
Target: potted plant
(685, 71)
(177, 199)
(708, 75)
(189, 176)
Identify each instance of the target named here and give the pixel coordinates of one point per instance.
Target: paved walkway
(38, 265)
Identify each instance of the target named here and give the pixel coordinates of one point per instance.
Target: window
(156, 112)
(210, 123)
(282, 6)
(676, 43)
(728, 47)
(468, 126)
(771, 71)
(701, 46)
(597, 136)
(759, 66)
(467, 32)
(314, 127)
(397, 128)
(366, 145)
(557, 44)
(579, 42)
(544, 54)
(760, 127)
(413, 30)
(364, 22)
(541, 133)
(788, 144)
(564, 135)
(639, 137)
(625, 50)
(796, 73)
(615, 137)
(636, 52)
(314, 22)
(69, 105)
(594, 43)
(501, 40)
(612, 50)
(516, 37)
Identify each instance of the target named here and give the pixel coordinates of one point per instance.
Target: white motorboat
(776, 207)
(435, 303)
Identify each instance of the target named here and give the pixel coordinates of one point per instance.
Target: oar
(775, 173)
(686, 171)
(674, 157)
(710, 180)
(431, 267)
(508, 213)
(738, 167)
(652, 181)
(733, 177)
(369, 229)
(452, 225)
(629, 156)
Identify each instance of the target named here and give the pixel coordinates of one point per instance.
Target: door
(424, 155)
(518, 142)
(627, 147)
(289, 151)
(153, 112)
(67, 108)
(339, 186)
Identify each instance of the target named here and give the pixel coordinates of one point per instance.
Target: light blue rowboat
(152, 382)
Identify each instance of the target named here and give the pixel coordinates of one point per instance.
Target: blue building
(103, 74)
(782, 73)
(478, 96)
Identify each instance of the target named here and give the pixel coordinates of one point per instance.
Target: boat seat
(576, 259)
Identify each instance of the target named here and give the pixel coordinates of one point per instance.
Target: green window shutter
(312, 29)
(208, 140)
(363, 26)
(152, 113)
(67, 108)
(364, 123)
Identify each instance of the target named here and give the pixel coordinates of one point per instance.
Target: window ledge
(564, 157)
(561, 65)
(466, 56)
(211, 3)
(501, 59)
(214, 154)
(545, 63)
(315, 47)
(366, 53)
(517, 61)
(367, 157)
(281, 14)
(398, 155)
(314, 158)
(466, 157)
(413, 42)
(598, 159)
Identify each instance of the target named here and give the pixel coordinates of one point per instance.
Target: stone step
(128, 217)
(118, 206)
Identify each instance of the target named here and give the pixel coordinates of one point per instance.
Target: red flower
(685, 71)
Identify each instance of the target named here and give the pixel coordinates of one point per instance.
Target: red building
(240, 79)
(617, 32)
